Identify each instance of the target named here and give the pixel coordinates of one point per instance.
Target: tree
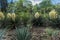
(57, 8)
(11, 7)
(23, 6)
(46, 6)
(4, 5)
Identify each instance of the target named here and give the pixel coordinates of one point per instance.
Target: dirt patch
(39, 33)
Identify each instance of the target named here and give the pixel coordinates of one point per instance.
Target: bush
(55, 23)
(25, 17)
(8, 19)
(45, 20)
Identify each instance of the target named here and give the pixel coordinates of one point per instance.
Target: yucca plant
(10, 19)
(2, 19)
(23, 34)
(37, 20)
(49, 31)
(3, 31)
(2, 16)
(54, 19)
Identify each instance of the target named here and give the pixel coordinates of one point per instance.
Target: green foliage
(45, 19)
(3, 31)
(52, 32)
(55, 23)
(25, 17)
(46, 6)
(49, 31)
(23, 34)
(25, 13)
(54, 18)
(23, 6)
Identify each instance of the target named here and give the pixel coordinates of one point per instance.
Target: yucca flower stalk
(53, 14)
(9, 15)
(2, 16)
(13, 16)
(37, 15)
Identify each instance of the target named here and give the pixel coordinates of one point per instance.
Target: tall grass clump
(23, 34)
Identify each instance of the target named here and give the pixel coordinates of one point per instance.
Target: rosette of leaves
(52, 32)
(49, 31)
(23, 34)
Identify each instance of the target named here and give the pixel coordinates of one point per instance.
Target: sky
(56, 1)
(38, 1)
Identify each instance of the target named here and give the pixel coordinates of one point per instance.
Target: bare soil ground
(38, 33)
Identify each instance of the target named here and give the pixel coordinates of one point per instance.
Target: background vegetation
(22, 13)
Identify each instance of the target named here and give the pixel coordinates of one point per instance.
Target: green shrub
(49, 31)
(25, 17)
(45, 19)
(52, 32)
(55, 23)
